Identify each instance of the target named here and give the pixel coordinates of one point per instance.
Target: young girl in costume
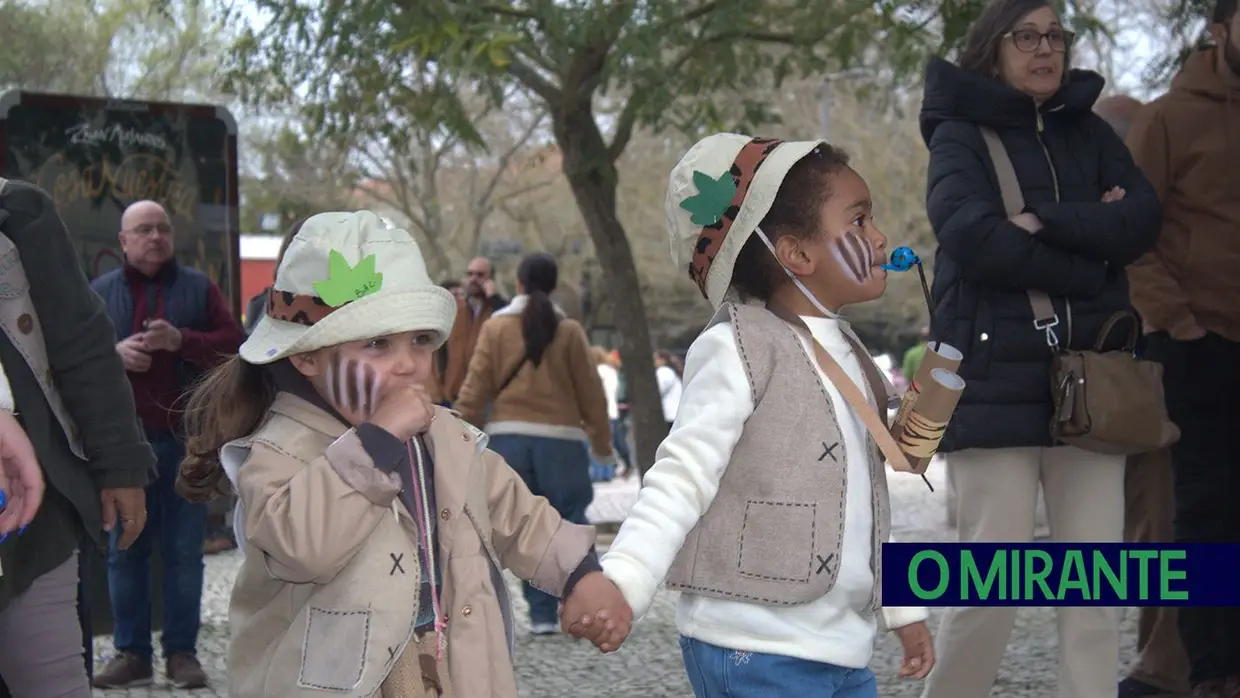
(374, 524)
(767, 504)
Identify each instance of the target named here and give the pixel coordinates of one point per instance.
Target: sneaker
(184, 671)
(544, 628)
(124, 670)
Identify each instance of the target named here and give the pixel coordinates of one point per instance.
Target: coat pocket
(333, 653)
(777, 540)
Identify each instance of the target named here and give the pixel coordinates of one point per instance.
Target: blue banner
(1061, 574)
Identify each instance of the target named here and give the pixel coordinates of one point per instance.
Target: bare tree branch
(528, 76)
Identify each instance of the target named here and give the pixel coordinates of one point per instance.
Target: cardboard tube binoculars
(928, 405)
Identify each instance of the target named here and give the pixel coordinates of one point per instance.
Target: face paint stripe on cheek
(845, 256)
(865, 256)
(348, 389)
(365, 381)
(372, 383)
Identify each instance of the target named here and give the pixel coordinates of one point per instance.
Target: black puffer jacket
(984, 263)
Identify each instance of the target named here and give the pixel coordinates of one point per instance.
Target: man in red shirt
(172, 324)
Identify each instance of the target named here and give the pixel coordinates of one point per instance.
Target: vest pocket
(333, 654)
(777, 540)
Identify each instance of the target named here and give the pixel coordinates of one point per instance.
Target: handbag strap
(508, 381)
(1044, 316)
(849, 390)
(1130, 344)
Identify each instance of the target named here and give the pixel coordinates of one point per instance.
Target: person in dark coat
(1089, 213)
(258, 304)
(70, 396)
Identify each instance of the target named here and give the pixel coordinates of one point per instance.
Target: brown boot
(124, 670)
(184, 671)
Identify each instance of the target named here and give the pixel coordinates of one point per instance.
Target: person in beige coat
(375, 525)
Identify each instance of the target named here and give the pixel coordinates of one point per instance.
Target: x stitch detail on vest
(829, 451)
(392, 654)
(823, 563)
(396, 566)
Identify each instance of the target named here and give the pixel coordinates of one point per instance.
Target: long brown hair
(227, 404)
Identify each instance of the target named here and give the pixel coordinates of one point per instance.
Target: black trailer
(97, 156)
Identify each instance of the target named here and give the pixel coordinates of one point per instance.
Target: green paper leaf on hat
(712, 200)
(347, 283)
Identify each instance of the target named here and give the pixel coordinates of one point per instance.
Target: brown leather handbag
(1105, 401)
(1110, 401)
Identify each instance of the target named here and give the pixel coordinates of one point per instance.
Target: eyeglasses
(146, 230)
(476, 274)
(1028, 40)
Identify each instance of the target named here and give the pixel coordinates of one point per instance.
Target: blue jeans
(620, 440)
(181, 528)
(559, 470)
(716, 672)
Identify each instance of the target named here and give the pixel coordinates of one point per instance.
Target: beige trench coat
(327, 596)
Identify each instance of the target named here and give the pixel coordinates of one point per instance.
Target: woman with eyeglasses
(1088, 212)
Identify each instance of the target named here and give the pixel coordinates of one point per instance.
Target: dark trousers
(179, 527)
(559, 470)
(1149, 517)
(1202, 383)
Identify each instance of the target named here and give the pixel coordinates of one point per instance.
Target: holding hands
(597, 611)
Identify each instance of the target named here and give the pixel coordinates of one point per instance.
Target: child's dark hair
(796, 211)
(227, 404)
(539, 275)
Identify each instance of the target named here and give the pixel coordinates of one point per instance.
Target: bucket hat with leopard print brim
(346, 277)
(717, 195)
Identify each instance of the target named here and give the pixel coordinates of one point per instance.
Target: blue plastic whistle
(902, 259)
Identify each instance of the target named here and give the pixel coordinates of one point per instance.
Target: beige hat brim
(428, 308)
(757, 204)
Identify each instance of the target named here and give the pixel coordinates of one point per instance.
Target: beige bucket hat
(347, 277)
(717, 195)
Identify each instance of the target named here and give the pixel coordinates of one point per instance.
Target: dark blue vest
(185, 291)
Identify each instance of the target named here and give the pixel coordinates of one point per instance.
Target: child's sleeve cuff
(898, 617)
(637, 586)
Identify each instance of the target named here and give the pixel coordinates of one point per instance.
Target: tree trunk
(591, 174)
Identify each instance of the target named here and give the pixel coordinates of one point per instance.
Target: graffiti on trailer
(137, 177)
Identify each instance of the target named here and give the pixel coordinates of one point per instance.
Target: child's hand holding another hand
(918, 650)
(597, 611)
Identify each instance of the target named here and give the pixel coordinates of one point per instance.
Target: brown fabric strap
(300, 308)
(1044, 316)
(711, 237)
(852, 394)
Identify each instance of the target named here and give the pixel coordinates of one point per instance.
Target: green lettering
(1037, 576)
(1167, 574)
(1102, 568)
(971, 578)
(944, 575)
(1143, 558)
(1015, 567)
(1073, 576)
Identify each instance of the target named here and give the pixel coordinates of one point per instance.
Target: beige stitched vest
(20, 324)
(773, 533)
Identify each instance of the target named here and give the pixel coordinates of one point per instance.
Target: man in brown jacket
(1188, 293)
(481, 301)
(1161, 667)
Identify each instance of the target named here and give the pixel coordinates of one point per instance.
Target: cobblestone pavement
(649, 665)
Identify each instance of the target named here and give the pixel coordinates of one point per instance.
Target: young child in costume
(375, 525)
(767, 504)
